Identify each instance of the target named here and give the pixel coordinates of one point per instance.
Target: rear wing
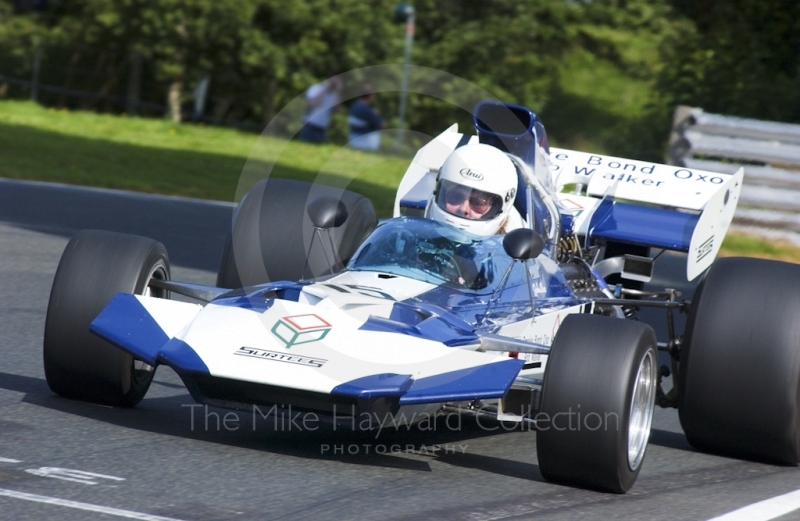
(648, 204)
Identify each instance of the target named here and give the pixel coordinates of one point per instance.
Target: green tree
(737, 57)
(189, 39)
(509, 48)
(185, 39)
(311, 40)
(19, 37)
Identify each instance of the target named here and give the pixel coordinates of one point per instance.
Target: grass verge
(745, 245)
(162, 157)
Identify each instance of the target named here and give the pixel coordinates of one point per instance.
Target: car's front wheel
(94, 267)
(597, 403)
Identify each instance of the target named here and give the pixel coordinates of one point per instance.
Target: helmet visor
(468, 203)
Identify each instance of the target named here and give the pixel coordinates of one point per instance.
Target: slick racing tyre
(94, 267)
(739, 369)
(271, 234)
(597, 403)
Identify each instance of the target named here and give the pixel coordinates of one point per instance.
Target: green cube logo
(300, 329)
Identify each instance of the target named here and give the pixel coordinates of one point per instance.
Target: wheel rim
(642, 405)
(142, 371)
(157, 272)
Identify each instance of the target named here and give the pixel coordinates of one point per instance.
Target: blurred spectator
(321, 99)
(365, 121)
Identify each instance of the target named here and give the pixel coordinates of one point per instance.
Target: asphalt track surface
(62, 459)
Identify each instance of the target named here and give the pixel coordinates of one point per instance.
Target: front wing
(255, 350)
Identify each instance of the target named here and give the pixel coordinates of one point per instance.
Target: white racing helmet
(475, 190)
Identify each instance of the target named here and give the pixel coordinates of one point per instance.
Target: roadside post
(37, 64)
(404, 13)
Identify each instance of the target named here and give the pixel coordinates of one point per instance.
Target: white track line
(83, 506)
(9, 460)
(77, 476)
(764, 510)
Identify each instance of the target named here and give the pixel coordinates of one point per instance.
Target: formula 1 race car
(319, 307)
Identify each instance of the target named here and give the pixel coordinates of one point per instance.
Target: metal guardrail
(769, 204)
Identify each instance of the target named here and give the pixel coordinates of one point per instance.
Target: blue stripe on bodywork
(643, 225)
(261, 298)
(256, 303)
(368, 387)
(126, 323)
(567, 222)
(433, 311)
(469, 309)
(485, 381)
(180, 357)
(419, 194)
(388, 325)
(424, 321)
(416, 204)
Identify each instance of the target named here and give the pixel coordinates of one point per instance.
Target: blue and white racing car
(526, 313)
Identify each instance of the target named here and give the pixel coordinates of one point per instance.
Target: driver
(475, 191)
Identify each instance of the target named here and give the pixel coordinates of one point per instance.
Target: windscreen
(436, 253)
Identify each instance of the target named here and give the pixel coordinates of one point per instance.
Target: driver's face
(465, 202)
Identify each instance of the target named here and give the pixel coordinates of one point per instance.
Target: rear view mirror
(523, 244)
(327, 212)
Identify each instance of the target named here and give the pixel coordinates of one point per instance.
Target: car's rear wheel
(94, 267)
(271, 234)
(739, 377)
(597, 403)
